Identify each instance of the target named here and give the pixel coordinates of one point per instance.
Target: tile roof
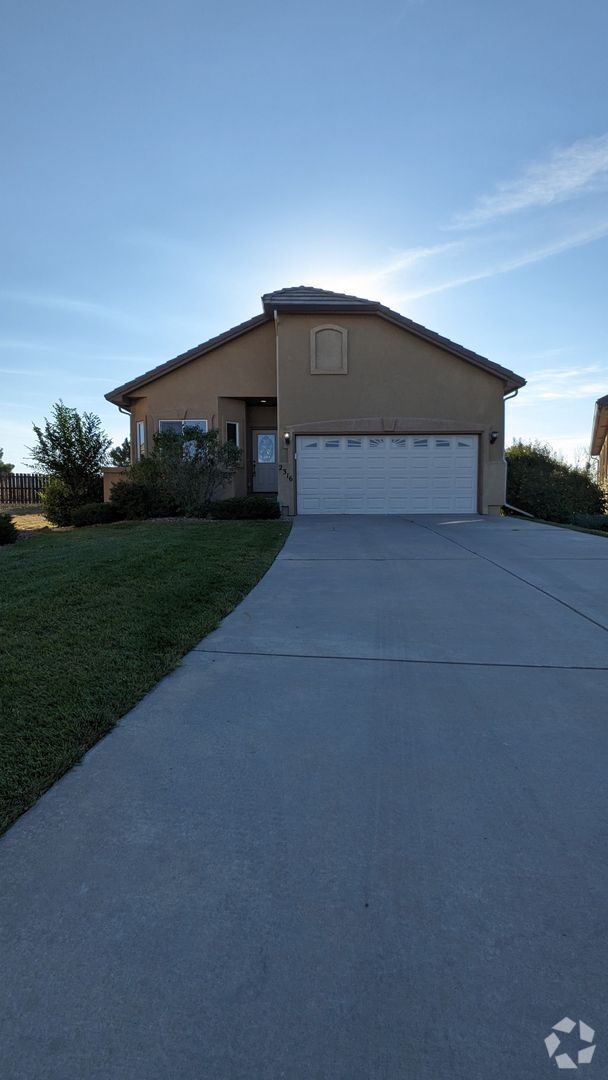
(309, 298)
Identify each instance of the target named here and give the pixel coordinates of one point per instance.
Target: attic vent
(328, 354)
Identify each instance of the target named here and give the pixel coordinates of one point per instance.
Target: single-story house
(340, 406)
(599, 439)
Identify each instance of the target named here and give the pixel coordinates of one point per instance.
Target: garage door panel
(380, 474)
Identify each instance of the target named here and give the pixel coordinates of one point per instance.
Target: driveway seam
(518, 577)
(398, 660)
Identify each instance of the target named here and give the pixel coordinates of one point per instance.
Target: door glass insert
(332, 444)
(267, 449)
(421, 442)
(354, 443)
(442, 443)
(375, 442)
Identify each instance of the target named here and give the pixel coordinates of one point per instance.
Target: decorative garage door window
(387, 474)
(266, 449)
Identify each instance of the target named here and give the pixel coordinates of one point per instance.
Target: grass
(92, 618)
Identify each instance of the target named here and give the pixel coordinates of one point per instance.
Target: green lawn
(91, 619)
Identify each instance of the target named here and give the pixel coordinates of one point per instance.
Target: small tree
(539, 482)
(4, 465)
(121, 455)
(72, 449)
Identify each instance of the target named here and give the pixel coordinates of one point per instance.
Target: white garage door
(387, 474)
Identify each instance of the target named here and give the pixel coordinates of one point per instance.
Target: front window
(233, 434)
(177, 426)
(140, 439)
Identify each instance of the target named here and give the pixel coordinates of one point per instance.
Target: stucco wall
(395, 381)
(245, 367)
(111, 475)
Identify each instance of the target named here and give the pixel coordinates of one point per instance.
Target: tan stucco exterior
(391, 379)
(112, 475)
(394, 382)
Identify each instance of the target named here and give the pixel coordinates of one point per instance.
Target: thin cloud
(527, 258)
(68, 304)
(564, 384)
(568, 173)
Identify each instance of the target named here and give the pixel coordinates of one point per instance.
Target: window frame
(185, 423)
(140, 439)
(237, 425)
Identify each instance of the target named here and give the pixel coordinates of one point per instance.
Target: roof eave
(121, 394)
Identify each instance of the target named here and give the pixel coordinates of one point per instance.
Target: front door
(264, 461)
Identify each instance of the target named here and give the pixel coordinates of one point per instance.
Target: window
(233, 432)
(177, 426)
(328, 350)
(140, 439)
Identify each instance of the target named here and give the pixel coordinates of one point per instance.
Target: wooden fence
(21, 489)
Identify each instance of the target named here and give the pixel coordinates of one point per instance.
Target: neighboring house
(341, 406)
(599, 439)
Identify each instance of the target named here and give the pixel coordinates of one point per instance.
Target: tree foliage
(182, 475)
(121, 455)
(72, 447)
(539, 482)
(4, 465)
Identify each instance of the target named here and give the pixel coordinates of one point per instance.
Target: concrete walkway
(360, 834)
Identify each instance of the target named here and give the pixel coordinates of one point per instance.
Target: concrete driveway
(361, 833)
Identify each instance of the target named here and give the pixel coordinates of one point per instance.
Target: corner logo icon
(586, 1036)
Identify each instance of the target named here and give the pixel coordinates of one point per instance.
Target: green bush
(102, 513)
(245, 506)
(58, 501)
(539, 482)
(591, 521)
(8, 530)
(136, 499)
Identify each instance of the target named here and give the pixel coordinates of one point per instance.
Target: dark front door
(264, 460)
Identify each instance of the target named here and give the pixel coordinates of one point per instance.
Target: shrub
(102, 513)
(591, 521)
(539, 482)
(58, 501)
(8, 530)
(246, 506)
(136, 499)
(180, 476)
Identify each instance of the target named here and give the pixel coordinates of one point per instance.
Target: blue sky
(166, 163)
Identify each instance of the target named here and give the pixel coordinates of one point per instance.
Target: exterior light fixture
(493, 437)
(286, 438)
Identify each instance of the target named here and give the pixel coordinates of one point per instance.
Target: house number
(287, 474)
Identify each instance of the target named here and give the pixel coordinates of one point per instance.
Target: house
(599, 439)
(340, 406)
